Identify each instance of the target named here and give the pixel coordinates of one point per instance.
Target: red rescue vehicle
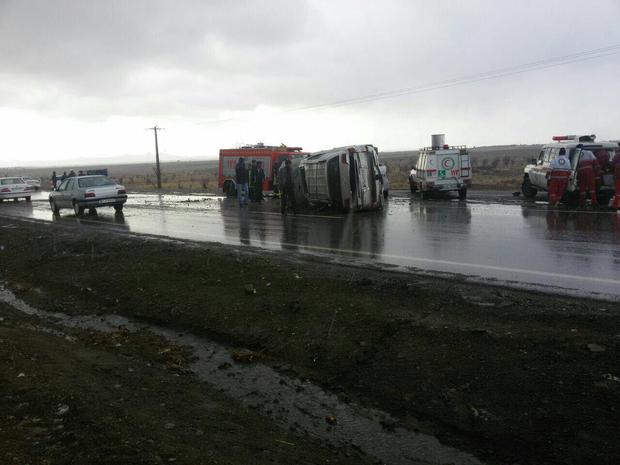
(271, 156)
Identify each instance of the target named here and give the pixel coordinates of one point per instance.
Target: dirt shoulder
(509, 375)
(71, 396)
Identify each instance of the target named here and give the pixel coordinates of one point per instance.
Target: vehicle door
(65, 194)
(448, 169)
(59, 194)
(430, 168)
(420, 170)
(465, 166)
(535, 173)
(546, 170)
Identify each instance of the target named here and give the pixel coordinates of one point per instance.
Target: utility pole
(157, 169)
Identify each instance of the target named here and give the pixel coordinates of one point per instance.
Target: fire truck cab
(270, 156)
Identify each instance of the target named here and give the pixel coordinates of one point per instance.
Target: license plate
(107, 201)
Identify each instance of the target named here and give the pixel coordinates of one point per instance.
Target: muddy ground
(514, 377)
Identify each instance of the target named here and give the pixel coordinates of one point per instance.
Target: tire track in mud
(300, 406)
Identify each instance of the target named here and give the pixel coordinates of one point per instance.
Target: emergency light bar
(586, 138)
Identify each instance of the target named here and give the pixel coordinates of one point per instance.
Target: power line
(468, 79)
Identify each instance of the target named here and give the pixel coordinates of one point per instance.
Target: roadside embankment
(509, 375)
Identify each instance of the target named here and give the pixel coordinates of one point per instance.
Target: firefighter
(602, 157)
(586, 177)
(241, 178)
(615, 166)
(558, 177)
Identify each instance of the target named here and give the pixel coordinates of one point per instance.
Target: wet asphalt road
(492, 237)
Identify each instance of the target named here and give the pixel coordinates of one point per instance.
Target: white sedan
(15, 188)
(81, 192)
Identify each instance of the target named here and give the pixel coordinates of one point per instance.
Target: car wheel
(463, 193)
(529, 192)
(28, 199)
(92, 211)
(54, 207)
(79, 211)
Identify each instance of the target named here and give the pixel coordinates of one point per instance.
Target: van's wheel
(79, 211)
(54, 207)
(118, 208)
(529, 192)
(463, 193)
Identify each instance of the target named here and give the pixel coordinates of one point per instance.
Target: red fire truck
(272, 158)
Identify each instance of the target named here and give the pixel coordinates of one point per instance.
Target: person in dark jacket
(241, 178)
(252, 182)
(285, 184)
(259, 179)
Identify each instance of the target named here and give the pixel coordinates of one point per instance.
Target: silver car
(15, 188)
(81, 192)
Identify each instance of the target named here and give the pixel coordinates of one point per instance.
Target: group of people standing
(591, 168)
(250, 183)
(56, 180)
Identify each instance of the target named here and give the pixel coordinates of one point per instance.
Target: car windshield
(11, 181)
(95, 182)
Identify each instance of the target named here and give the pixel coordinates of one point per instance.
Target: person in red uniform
(602, 156)
(615, 166)
(558, 177)
(586, 177)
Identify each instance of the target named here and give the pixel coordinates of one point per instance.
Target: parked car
(441, 168)
(34, 182)
(536, 174)
(15, 188)
(81, 192)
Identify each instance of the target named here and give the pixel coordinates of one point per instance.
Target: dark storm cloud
(195, 59)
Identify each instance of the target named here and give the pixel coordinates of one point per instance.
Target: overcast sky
(82, 79)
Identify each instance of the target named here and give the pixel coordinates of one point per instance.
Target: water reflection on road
(578, 251)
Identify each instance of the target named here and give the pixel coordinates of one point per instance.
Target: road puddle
(298, 405)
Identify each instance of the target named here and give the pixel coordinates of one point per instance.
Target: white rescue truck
(536, 174)
(441, 168)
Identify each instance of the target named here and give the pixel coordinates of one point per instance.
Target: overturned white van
(347, 178)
